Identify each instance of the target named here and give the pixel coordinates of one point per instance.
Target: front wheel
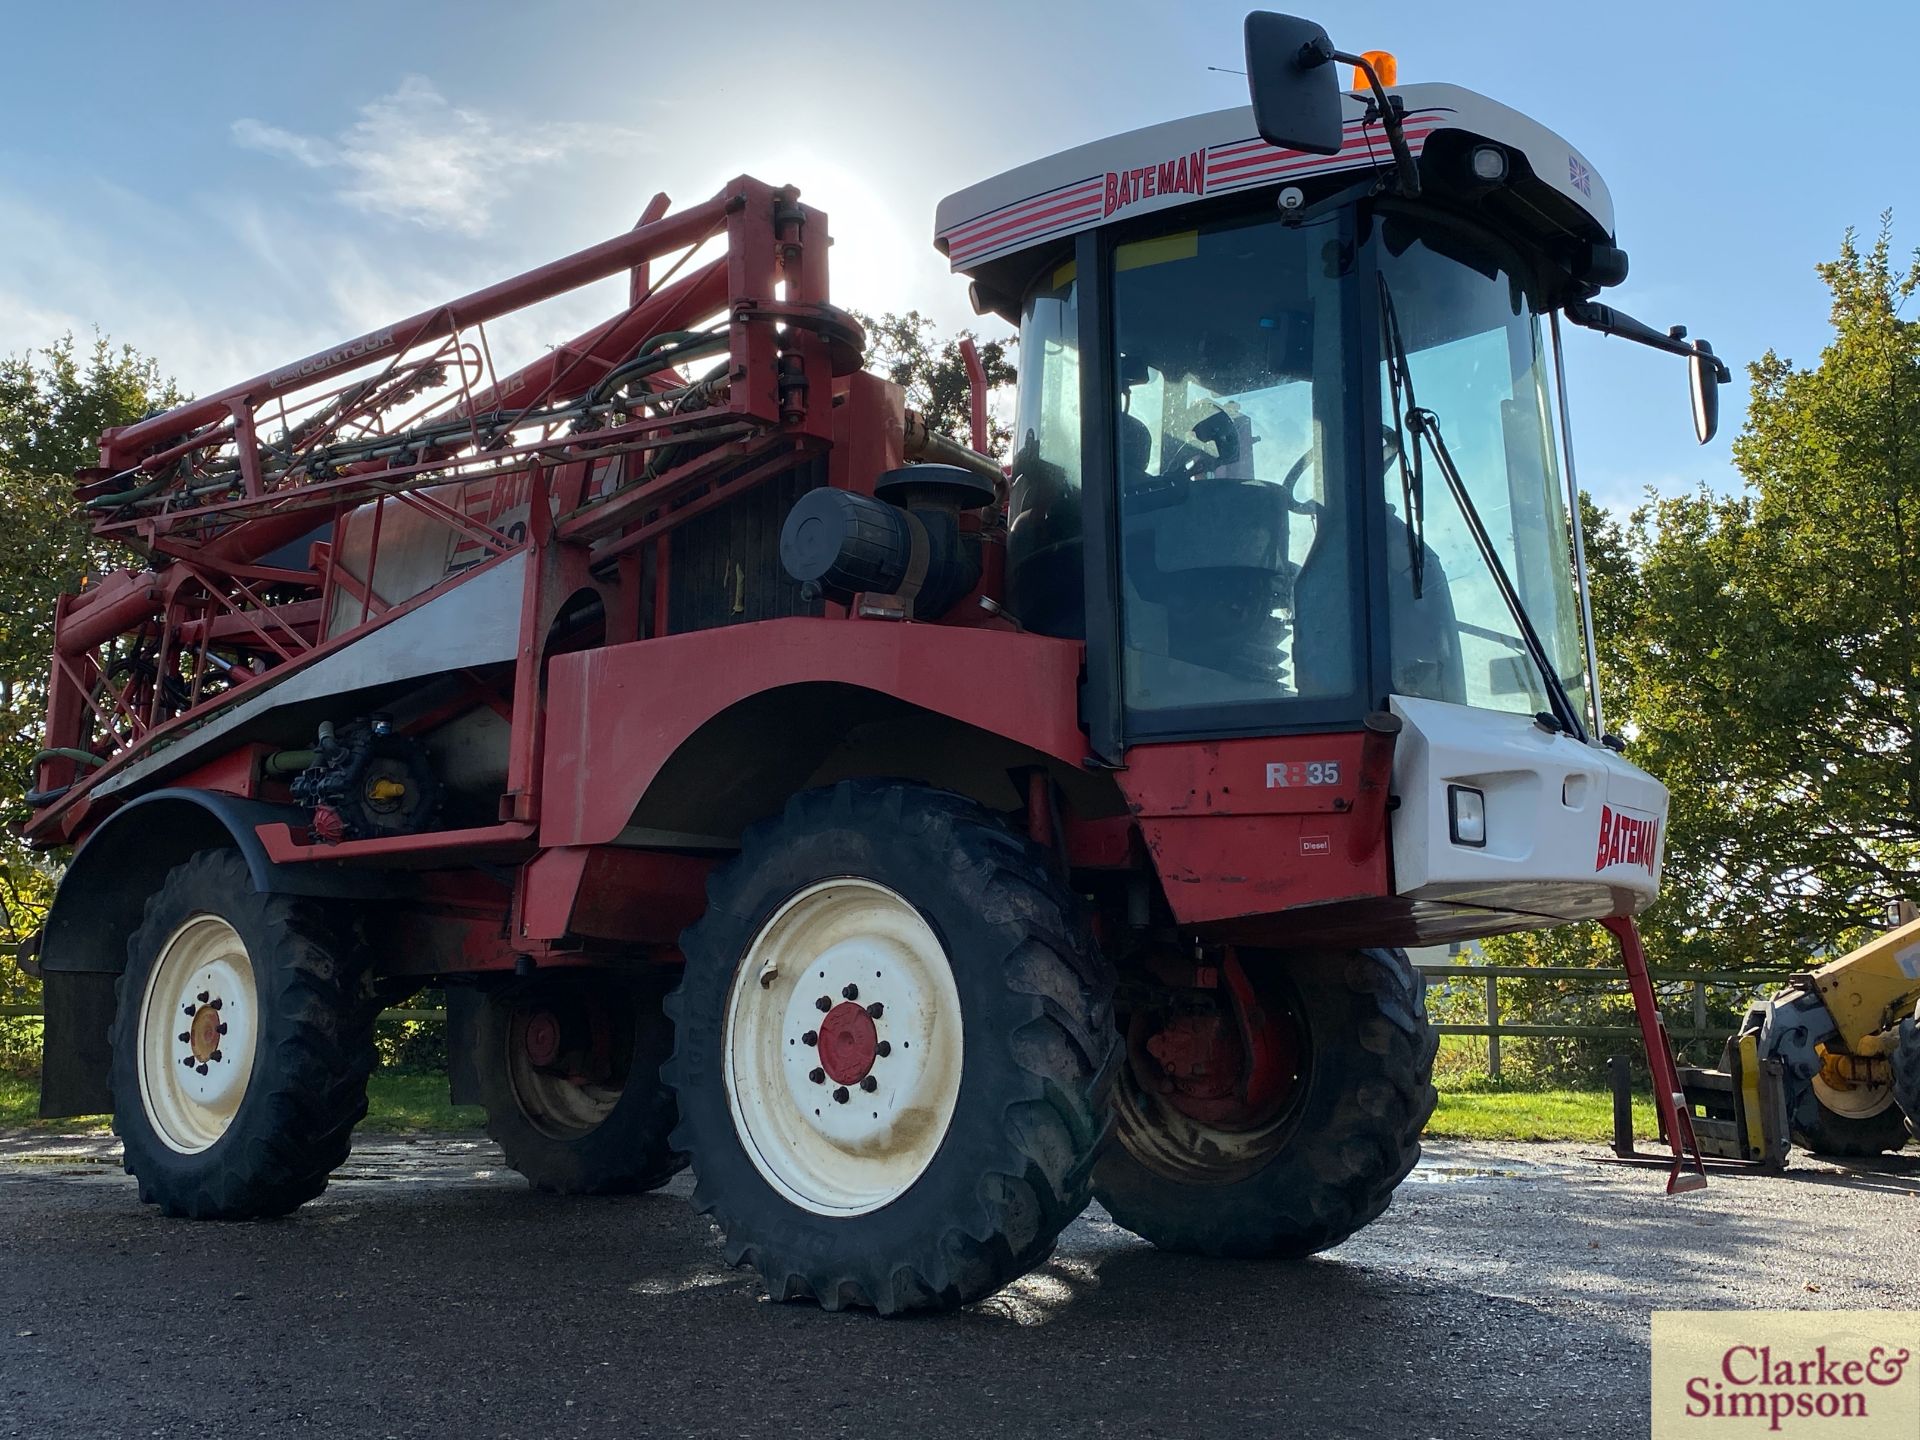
(893, 1043)
(1840, 1112)
(1271, 1103)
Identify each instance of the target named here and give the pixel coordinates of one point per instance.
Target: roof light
(1384, 65)
(1489, 162)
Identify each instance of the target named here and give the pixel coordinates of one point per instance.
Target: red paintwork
(616, 715)
(1267, 1035)
(642, 896)
(235, 773)
(1105, 843)
(440, 847)
(1228, 844)
(1689, 1170)
(976, 393)
(848, 1043)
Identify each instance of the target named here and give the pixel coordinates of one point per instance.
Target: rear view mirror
(1294, 85)
(1703, 373)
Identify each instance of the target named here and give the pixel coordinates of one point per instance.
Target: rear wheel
(568, 1069)
(1843, 1110)
(1269, 1107)
(892, 1048)
(242, 1042)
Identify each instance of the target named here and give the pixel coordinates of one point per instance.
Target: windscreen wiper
(1425, 425)
(1409, 415)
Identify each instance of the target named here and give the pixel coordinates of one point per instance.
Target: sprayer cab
(1286, 458)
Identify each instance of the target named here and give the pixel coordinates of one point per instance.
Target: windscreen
(1474, 353)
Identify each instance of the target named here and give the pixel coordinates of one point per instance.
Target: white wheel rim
(832, 1145)
(199, 1023)
(1853, 1102)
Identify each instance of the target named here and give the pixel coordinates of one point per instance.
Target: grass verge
(402, 1104)
(1479, 1113)
(396, 1104)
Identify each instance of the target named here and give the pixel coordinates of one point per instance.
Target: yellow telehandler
(1831, 1063)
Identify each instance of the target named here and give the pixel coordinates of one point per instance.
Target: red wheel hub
(848, 1043)
(1233, 1066)
(542, 1038)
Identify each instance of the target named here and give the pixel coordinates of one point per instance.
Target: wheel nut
(186, 1037)
(876, 1010)
(883, 1049)
(852, 992)
(869, 1084)
(842, 1095)
(817, 1076)
(214, 1056)
(201, 1068)
(201, 997)
(823, 1004)
(812, 1037)
(214, 1004)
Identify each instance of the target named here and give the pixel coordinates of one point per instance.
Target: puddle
(1448, 1174)
(56, 1158)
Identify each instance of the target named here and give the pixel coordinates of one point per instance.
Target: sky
(229, 187)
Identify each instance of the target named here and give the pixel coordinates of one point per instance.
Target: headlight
(1467, 816)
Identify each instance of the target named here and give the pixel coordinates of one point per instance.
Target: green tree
(53, 405)
(1761, 653)
(1776, 658)
(907, 350)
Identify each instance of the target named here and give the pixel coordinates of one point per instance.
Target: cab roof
(1162, 167)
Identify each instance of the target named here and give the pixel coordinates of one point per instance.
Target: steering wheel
(1390, 439)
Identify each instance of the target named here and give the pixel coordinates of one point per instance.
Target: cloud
(415, 156)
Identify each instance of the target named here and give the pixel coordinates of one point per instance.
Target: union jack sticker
(1579, 175)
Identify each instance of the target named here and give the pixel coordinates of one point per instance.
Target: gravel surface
(430, 1293)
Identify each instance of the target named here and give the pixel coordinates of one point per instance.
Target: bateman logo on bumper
(1627, 838)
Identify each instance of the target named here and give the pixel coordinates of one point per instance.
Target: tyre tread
(317, 1070)
(1049, 1133)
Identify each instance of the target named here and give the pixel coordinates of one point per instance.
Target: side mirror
(1294, 84)
(1703, 374)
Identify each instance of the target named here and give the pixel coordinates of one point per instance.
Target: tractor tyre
(242, 1041)
(1848, 1124)
(1906, 1072)
(1312, 1162)
(568, 1070)
(893, 1045)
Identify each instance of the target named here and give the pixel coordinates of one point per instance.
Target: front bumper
(1573, 831)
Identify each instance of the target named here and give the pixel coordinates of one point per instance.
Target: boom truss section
(289, 516)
